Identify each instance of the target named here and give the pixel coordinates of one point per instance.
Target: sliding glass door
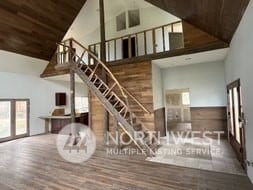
(14, 119)
(5, 119)
(21, 118)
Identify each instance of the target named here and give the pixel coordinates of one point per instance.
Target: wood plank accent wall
(218, 18)
(32, 28)
(160, 126)
(194, 37)
(97, 117)
(137, 79)
(209, 119)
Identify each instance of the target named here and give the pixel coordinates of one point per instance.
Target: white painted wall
(19, 78)
(11, 62)
(239, 65)
(85, 27)
(157, 85)
(206, 82)
(150, 17)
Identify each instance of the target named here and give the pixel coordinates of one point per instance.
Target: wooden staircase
(111, 94)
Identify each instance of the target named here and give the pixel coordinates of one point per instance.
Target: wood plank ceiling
(32, 27)
(219, 18)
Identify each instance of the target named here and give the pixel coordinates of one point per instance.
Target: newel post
(72, 84)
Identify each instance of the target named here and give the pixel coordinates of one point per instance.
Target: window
(133, 18)
(14, 118)
(82, 104)
(186, 98)
(121, 21)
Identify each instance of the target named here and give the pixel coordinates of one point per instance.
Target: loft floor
(33, 163)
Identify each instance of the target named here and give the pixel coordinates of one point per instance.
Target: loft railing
(67, 53)
(156, 40)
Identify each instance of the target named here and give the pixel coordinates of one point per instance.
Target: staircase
(112, 95)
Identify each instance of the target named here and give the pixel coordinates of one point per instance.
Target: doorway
(127, 51)
(14, 119)
(178, 112)
(236, 128)
(181, 147)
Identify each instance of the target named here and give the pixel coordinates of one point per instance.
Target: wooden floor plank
(34, 163)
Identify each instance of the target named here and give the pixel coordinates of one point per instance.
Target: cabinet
(58, 122)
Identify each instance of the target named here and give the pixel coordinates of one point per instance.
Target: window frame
(13, 135)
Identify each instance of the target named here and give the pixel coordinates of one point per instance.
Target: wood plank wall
(32, 28)
(97, 117)
(194, 37)
(137, 79)
(160, 125)
(209, 119)
(219, 18)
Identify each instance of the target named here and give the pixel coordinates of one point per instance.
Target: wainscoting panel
(209, 119)
(160, 121)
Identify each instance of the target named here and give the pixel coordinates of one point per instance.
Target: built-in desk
(58, 122)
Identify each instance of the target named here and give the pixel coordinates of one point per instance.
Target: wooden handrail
(98, 60)
(132, 34)
(104, 66)
(124, 90)
(112, 101)
(112, 51)
(137, 101)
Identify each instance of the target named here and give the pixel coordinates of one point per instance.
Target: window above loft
(133, 18)
(121, 21)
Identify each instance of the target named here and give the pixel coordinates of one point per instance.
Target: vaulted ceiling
(32, 27)
(217, 17)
